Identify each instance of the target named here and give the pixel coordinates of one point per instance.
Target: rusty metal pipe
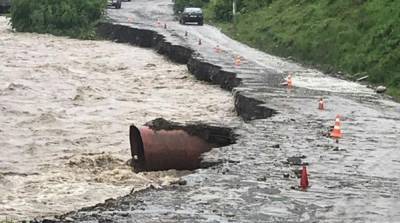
(154, 150)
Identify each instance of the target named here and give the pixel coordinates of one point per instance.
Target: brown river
(65, 109)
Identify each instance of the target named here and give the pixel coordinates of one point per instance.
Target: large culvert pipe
(154, 150)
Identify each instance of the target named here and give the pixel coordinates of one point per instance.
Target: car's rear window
(193, 10)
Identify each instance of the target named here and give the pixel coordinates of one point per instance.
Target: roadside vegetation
(179, 5)
(74, 18)
(356, 37)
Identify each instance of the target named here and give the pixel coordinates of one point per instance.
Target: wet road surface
(355, 181)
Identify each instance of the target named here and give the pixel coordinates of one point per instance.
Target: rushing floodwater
(65, 109)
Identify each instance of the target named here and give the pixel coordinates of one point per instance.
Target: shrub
(74, 18)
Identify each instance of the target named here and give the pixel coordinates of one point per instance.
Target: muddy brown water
(65, 110)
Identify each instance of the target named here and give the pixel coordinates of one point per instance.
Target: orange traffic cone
(237, 61)
(304, 179)
(289, 81)
(321, 104)
(336, 133)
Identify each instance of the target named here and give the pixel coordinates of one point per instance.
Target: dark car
(115, 3)
(191, 15)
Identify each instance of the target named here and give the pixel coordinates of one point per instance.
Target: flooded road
(65, 110)
(357, 180)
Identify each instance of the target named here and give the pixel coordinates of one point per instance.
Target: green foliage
(355, 36)
(75, 18)
(220, 10)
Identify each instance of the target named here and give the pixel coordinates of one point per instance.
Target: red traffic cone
(336, 132)
(321, 104)
(304, 179)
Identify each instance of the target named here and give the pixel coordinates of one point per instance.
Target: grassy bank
(74, 18)
(358, 37)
